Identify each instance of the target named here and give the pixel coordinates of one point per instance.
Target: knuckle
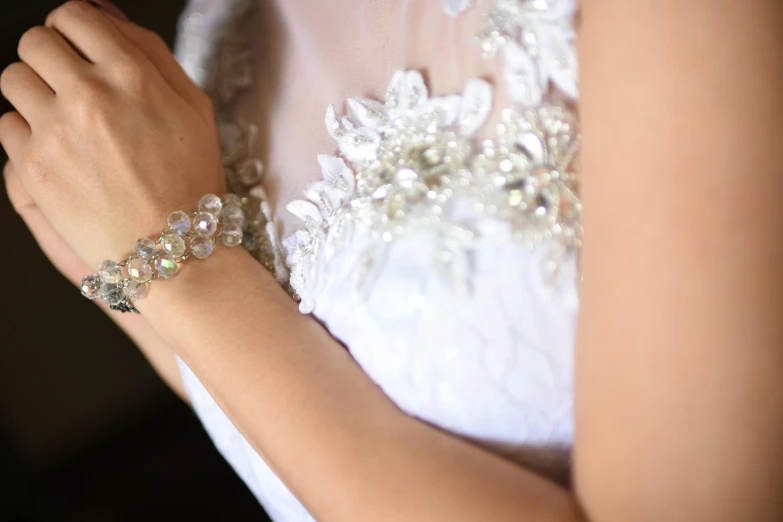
(32, 38)
(129, 69)
(90, 92)
(155, 39)
(8, 74)
(89, 104)
(70, 10)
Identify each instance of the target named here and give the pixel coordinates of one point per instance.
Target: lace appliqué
(411, 162)
(537, 39)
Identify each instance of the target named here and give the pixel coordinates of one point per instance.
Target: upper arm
(680, 350)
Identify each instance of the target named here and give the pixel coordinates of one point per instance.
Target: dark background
(88, 432)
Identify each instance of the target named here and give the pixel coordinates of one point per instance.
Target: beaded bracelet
(216, 221)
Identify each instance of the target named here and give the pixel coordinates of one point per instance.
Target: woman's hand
(69, 265)
(110, 135)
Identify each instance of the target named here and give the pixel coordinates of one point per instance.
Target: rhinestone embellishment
(409, 162)
(120, 284)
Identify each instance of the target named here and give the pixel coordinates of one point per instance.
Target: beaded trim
(188, 234)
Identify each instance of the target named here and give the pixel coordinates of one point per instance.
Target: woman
(443, 247)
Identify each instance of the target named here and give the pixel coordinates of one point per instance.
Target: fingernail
(109, 8)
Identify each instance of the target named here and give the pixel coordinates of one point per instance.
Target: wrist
(200, 280)
(212, 301)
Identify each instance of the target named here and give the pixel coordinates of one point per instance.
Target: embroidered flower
(537, 38)
(324, 217)
(408, 155)
(410, 148)
(411, 163)
(533, 163)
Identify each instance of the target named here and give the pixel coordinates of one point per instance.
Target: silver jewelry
(120, 284)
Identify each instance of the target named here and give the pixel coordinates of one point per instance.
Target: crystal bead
(231, 235)
(201, 247)
(140, 270)
(210, 203)
(145, 248)
(179, 222)
(249, 172)
(173, 244)
(136, 290)
(91, 287)
(166, 265)
(232, 215)
(205, 224)
(112, 293)
(232, 199)
(110, 272)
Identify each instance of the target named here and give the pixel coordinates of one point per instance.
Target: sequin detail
(408, 162)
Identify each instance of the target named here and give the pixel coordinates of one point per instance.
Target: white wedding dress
(441, 244)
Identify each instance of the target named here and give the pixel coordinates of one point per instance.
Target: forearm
(678, 382)
(325, 428)
(160, 356)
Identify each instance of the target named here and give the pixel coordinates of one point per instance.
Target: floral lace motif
(537, 39)
(412, 163)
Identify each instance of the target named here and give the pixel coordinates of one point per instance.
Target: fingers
(50, 56)
(157, 52)
(14, 135)
(77, 27)
(27, 92)
(90, 32)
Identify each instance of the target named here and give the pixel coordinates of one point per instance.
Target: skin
(679, 396)
(679, 400)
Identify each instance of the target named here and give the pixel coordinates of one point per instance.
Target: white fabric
(493, 364)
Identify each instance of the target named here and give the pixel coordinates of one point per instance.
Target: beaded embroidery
(409, 161)
(537, 39)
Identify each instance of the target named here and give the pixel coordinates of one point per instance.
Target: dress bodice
(440, 243)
